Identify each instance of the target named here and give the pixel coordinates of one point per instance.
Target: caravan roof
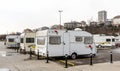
(51, 31)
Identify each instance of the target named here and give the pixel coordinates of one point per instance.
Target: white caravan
(104, 41)
(117, 39)
(61, 42)
(117, 42)
(13, 41)
(27, 39)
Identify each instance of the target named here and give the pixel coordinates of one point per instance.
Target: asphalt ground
(103, 56)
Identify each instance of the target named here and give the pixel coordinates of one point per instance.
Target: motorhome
(61, 42)
(13, 41)
(27, 40)
(102, 40)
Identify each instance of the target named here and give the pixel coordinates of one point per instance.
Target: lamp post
(60, 17)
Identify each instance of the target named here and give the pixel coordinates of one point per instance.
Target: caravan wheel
(74, 56)
(94, 55)
(99, 46)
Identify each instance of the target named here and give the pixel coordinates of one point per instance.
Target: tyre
(99, 46)
(94, 55)
(74, 56)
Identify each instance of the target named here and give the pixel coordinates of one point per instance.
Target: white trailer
(117, 42)
(104, 41)
(13, 41)
(27, 39)
(61, 42)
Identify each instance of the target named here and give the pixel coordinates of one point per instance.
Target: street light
(60, 17)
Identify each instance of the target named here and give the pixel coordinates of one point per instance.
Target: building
(102, 16)
(41, 28)
(83, 24)
(116, 21)
(108, 22)
(73, 24)
(93, 23)
(57, 27)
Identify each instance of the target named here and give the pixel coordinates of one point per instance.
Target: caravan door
(66, 43)
(55, 47)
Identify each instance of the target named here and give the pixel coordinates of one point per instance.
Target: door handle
(63, 43)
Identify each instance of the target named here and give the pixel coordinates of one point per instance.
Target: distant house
(57, 27)
(93, 23)
(27, 30)
(116, 21)
(41, 28)
(2, 37)
(73, 24)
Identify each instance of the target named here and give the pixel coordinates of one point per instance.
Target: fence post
(66, 65)
(111, 57)
(47, 57)
(38, 55)
(91, 55)
(30, 53)
(17, 49)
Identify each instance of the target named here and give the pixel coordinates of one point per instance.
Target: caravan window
(117, 39)
(10, 40)
(40, 41)
(108, 40)
(54, 40)
(21, 40)
(88, 40)
(78, 39)
(113, 40)
(29, 40)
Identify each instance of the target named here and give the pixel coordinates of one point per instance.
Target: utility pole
(60, 17)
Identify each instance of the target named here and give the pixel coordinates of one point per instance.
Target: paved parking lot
(102, 57)
(19, 62)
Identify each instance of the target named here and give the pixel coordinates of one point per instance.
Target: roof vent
(78, 29)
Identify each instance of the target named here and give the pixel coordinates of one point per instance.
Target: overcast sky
(16, 15)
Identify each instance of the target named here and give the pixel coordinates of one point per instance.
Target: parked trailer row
(58, 42)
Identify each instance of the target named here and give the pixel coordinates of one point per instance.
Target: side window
(29, 40)
(113, 40)
(21, 40)
(88, 40)
(40, 41)
(78, 39)
(11, 40)
(117, 39)
(55, 40)
(108, 40)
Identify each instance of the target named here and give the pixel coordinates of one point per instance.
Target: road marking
(63, 61)
(70, 63)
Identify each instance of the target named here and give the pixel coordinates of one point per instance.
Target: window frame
(113, 39)
(108, 40)
(88, 38)
(40, 41)
(21, 40)
(11, 39)
(54, 43)
(30, 41)
(78, 39)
